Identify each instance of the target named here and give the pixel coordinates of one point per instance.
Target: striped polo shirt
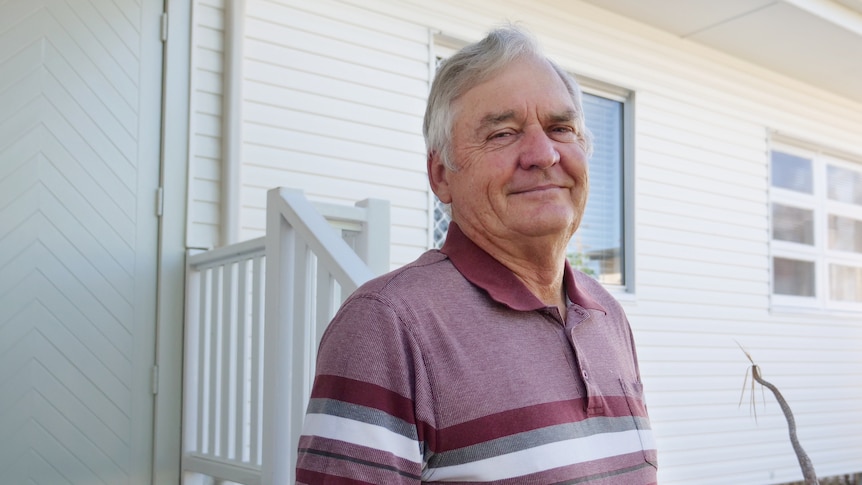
(449, 370)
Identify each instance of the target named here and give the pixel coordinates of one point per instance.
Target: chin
(539, 227)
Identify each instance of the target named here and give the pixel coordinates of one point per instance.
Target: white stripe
(546, 457)
(362, 434)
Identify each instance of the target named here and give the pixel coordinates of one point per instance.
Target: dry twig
(804, 462)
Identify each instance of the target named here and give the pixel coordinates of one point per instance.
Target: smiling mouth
(541, 188)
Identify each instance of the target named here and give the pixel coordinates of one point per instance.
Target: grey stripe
(532, 439)
(600, 476)
(363, 414)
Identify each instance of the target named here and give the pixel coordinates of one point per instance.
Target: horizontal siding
(333, 97)
(205, 120)
(701, 242)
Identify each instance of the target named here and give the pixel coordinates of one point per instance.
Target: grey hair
(476, 63)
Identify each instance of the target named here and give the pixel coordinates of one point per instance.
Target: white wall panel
(333, 99)
(205, 119)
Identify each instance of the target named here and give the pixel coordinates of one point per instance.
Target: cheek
(578, 167)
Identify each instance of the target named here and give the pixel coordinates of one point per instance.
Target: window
(816, 214)
(599, 246)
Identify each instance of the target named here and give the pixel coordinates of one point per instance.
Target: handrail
(301, 216)
(234, 252)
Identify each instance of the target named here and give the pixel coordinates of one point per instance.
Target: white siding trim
(232, 110)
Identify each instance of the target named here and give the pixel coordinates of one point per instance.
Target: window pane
(845, 234)
(792, 224)
(792, 277)
(441, 223)
(844, 185)
(597, 247)
(845, 283)
(791, 172)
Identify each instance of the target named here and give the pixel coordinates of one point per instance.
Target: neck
(537, 262)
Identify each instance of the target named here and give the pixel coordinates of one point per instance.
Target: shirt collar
(481, 269)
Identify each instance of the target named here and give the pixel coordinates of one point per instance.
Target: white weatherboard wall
(205, 119)
(333, 98)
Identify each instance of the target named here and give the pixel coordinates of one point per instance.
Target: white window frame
(627, 98)
(818, 253)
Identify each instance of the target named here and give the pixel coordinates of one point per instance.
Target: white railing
(255, 312)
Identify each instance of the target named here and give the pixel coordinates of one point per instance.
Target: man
(490, 360)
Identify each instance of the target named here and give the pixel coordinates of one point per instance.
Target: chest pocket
(634, 398)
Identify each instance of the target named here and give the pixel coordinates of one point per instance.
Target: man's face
(521, 166)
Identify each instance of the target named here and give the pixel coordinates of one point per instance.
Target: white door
(79, 163)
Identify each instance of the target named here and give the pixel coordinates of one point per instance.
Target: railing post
(191, 370)
(278, 458)
(294, 231)
(373, 242)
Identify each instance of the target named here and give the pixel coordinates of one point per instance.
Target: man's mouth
(537, 188)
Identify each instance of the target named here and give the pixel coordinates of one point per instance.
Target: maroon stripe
(310, 477)
(619, 406)
(507, 423)
(339, 459)
(364, 394)
(622, 469)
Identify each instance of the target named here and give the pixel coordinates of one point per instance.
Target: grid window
(792, 224)
(793, 277)
(816, 229)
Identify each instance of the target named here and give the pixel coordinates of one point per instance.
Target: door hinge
(160, 201)
(154, 379)
(164, 27)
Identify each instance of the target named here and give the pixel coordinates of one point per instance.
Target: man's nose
(537, 150)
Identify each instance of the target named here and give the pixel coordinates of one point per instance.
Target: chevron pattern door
(80, 95)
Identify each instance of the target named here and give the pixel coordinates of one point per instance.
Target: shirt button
(584, 373)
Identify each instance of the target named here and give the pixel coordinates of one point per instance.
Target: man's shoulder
(430, 269)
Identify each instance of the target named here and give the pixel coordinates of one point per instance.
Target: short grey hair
(476, 63)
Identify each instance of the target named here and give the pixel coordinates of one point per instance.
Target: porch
(255, 313)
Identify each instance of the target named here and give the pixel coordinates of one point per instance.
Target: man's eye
(501, 134)
(563, 133)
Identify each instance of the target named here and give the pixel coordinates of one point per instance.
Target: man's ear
(438, 176)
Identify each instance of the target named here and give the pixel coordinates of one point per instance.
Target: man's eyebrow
(563, 117)
(494, 119)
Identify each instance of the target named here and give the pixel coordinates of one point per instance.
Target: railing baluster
(304, 275)
(203, 356)
(226, 380)
(241, 377)
(256, 417)
(213, 350)
(326, 305)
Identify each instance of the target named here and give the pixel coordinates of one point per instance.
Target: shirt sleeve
(363, 423)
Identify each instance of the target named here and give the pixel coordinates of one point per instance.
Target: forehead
(523, 86)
